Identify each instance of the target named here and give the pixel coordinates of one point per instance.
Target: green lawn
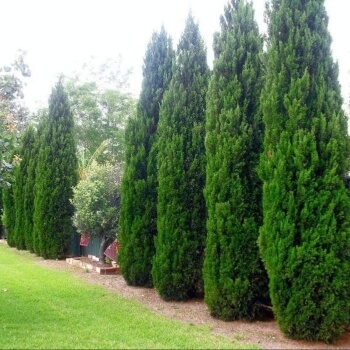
(43, 308)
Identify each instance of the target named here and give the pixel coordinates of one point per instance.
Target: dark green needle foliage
(235, 280)
(9, 214)
(1, 210)
(30, 156)
(177, 268)
(305, 237)
(139, 186)
(56, 174)
(30, 187)
(21, 177)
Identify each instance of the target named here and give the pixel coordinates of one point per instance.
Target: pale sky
(59, 35)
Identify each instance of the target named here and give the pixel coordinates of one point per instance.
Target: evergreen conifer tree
(29, 156)
(56, 174)
(9, 215)
(234, 277)
(178, 262)
(139, 185)
(1, 210)
(21, 176)
(31, 186)
(305, 237)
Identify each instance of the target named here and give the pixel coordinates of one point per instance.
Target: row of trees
(38, 212)
(86, 118)
(235, 182)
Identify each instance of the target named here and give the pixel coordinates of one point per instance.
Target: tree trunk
(106, 241)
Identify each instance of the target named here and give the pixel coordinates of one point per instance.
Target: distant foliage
(13, 113)
(101, 107)
(305, 237)
(139, 185)
(178, 262)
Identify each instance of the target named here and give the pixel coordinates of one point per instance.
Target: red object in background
(112, 251)
(84, 239)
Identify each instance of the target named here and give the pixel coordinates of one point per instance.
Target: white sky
(59, 35)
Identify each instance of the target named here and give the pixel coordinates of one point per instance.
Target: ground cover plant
(42, 308)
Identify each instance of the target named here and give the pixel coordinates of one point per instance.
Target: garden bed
(91, 263)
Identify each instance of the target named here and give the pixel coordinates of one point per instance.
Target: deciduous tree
(96, 201)
(13, 113)
(101, 107)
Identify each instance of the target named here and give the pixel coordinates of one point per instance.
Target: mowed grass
(47, 309)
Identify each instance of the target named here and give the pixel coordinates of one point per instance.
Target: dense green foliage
(178, 262)
(96, 200)
(1, 209)
(139, 186)
(305, 237)
(56, 174)
(22, 237)
(266, 146)
(30, 155)
(9, 215)
(235, 280)
(17, 188)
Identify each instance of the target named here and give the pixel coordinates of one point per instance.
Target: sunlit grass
(43, 308)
